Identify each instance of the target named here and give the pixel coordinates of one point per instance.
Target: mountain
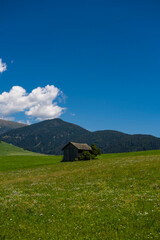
(116, 142)
(44, 137)
(50, 136)
(9, 125)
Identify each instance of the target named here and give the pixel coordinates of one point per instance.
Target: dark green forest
(50, 136)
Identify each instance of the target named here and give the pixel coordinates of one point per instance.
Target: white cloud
(39, 103)
(3, 66)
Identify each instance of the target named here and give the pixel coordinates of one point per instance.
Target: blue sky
(103, 55)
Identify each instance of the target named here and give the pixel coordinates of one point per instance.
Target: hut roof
(80, 146)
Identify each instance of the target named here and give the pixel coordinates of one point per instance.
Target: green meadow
(11, 150)
(114, 197)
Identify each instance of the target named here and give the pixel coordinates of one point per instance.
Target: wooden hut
(73, 150)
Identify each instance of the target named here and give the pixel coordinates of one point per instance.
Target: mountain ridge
(50, 136)
(6, 125)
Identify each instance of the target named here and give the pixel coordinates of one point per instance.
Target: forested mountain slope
(51, 135)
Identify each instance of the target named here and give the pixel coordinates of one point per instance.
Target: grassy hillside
(9, 150)
(115, 197)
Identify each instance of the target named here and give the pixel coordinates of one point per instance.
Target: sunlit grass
(115, 197)
(11, 150)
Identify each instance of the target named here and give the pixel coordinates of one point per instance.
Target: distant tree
(95, 151)
(86, 155)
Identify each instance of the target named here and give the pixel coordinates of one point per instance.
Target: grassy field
(11, 150)
(115, 197)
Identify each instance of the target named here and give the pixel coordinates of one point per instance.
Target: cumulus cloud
(3, 66)
(40, 103)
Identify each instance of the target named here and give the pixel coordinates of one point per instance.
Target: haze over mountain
(9, 125)
(51, 135)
